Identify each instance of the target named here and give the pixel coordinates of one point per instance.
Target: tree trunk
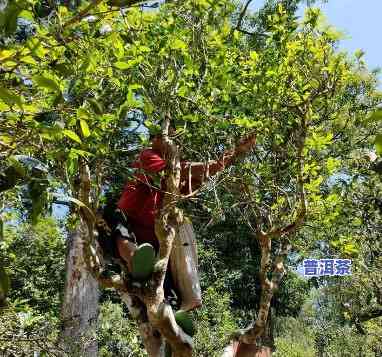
(152, 340)
(240, 349)
(1, 229)
(264, 348)
(80, 304)
(245, 350)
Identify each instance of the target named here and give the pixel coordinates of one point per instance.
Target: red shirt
(142, 198)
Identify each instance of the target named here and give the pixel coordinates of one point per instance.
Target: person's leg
(139, 259)
(126, 250)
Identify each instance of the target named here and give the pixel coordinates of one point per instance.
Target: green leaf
(378, 144)
(117, 43)
(18, 166)
(178, 44)
(26, 15)
(126, 65)
(84, 128)
(62, 69)
(122, 65)
(135, 86)
(96, 106)
(332, 165)
(192, 118)
(244, 122)
(6, 139)
(72, 163)
(82, 113)
(182, 91)
(350, 248)
(85, 64)
(142, 49)
(34, 44)
(47, 83)
(10, 98)
(153, 128)
(375, 116)
(254, 56)
(28, 60)
(5, 54)
(82, 153)
(72, 135)
(359, 53)
(131, 100)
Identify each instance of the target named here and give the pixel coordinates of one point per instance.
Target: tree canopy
(82, 83)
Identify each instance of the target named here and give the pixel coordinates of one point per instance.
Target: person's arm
(193, 174)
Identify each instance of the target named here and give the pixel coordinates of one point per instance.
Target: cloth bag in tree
(184, 265)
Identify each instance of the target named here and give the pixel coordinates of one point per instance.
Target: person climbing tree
(134, 235)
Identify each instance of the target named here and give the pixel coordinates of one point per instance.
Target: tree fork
(166, 224)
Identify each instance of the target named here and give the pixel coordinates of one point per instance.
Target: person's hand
(247, 143)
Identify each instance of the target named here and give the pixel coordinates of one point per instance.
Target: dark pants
(121, 229)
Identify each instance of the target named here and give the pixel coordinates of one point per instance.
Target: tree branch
(160, 314)
(252, 33)
(371, 313)
(85, 12)
(250, 334)
(268, 287)
(301, 215)
(180, 342)
(242, 14)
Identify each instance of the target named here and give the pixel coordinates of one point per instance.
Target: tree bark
(152, 339)
(1, 229)
(80, 304)
(240, 349)
(245, 350)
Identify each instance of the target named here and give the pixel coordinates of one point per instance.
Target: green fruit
(143, 262)
(184, 320)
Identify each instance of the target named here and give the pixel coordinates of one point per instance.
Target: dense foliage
(83, 82)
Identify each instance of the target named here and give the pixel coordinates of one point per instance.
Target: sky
(359, 21)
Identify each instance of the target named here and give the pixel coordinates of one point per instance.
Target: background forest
(82, 83)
